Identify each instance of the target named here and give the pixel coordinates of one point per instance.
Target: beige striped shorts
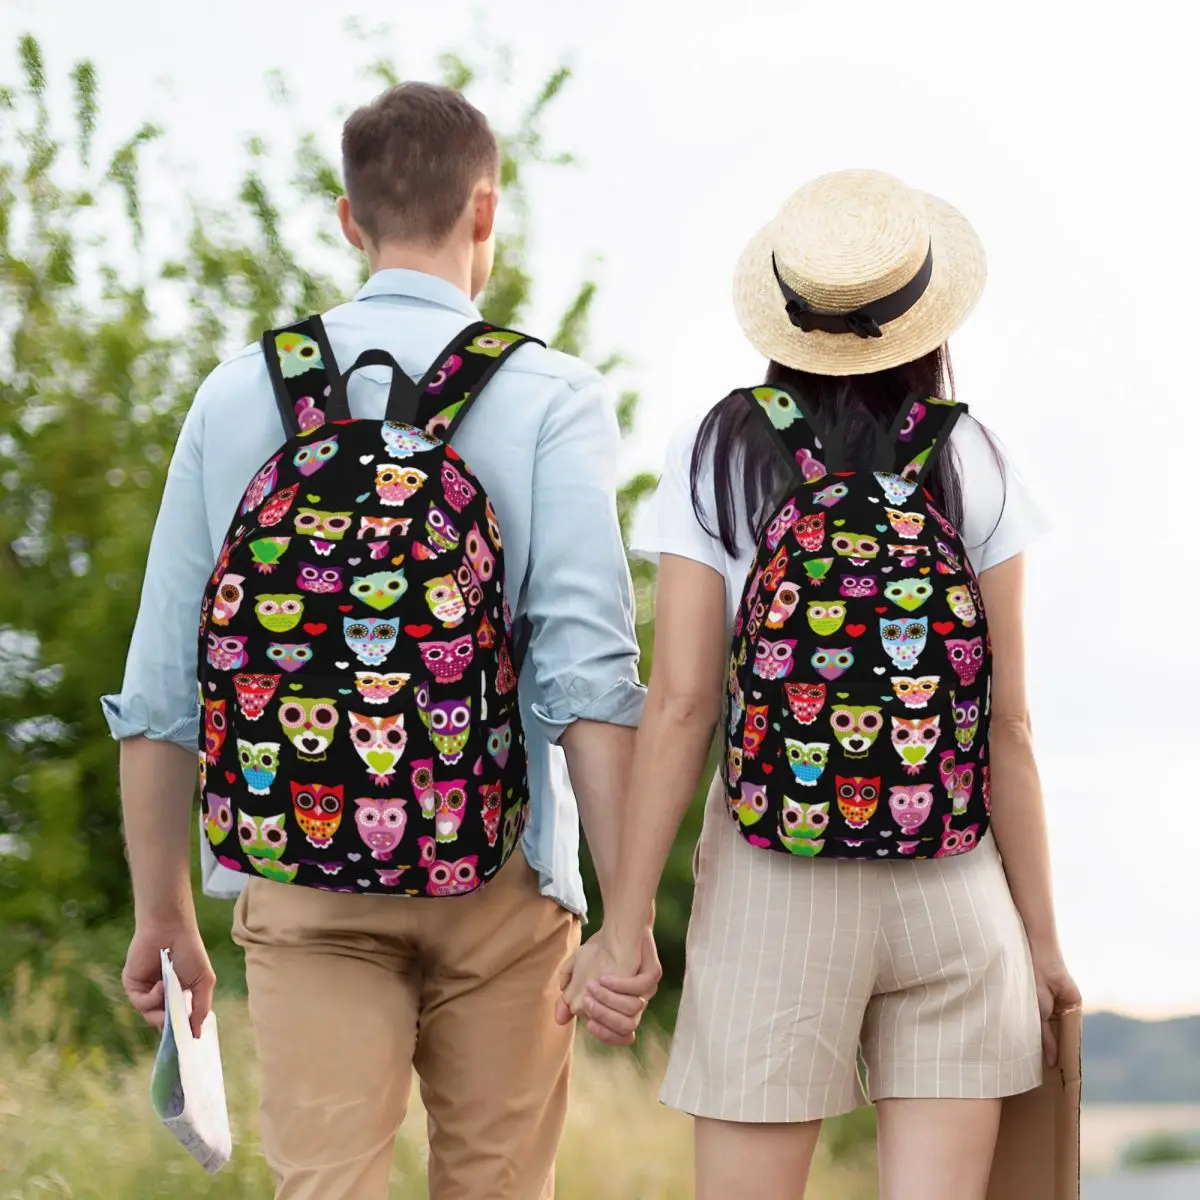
(796, 967)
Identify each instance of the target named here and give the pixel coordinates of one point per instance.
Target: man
(348, 993)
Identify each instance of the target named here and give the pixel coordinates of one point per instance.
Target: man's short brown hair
(410, 159)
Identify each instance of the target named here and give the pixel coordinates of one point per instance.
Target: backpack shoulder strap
(308, 388)
(784, 414)
(920, 433)
(459, 374)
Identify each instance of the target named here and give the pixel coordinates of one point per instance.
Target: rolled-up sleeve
(158, 696)
(579, 595)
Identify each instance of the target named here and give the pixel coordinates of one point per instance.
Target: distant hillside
(1140, 1062)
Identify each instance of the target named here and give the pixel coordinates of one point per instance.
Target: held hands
(609, 987)
(142, 977)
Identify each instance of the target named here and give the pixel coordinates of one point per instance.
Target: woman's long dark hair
(747, 460)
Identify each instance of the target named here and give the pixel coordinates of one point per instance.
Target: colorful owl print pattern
(859, 677)
(360, 728)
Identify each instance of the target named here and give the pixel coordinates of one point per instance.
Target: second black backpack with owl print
(357, 661)
(860, 671)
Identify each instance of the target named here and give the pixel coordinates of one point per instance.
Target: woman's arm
(1018, 813)
(683, 705)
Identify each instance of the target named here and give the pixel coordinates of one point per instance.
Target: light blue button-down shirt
(543, 440)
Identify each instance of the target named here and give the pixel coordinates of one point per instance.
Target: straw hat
(857, 273)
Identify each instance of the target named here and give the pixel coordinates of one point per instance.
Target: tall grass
(77, 1123)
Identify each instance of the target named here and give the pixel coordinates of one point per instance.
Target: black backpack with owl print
(357, 663)
(860, 670)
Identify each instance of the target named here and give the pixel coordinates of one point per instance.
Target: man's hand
(609, 989)
(142, 977)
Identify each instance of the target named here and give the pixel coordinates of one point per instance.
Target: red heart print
(230, 777)
(881, 610)
(943, 627)
(345, 608)
(767, 768)
(418, 631)
(314, 628)
(856, 630)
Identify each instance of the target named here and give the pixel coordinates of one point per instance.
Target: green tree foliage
(94, 381)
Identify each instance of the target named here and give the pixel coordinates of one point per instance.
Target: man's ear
(487, 197)
(349, 228)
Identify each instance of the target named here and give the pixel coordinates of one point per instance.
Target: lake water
(1107, 1130)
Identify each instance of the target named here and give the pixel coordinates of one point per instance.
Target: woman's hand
(1056, 993)
(609, 987)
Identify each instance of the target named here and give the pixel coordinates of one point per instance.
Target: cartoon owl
(450, 805)
(774, 660)
(910, 804)
(907, 554)
(966, 723)
(753, 803)
(264, 841)
(493, 524)
(309, 724)
(458, 492)
(445, 600)
(218, 821)
(810, 531)
(909, 594)
(915, 693)
(827, 497)
(318, 523)
(903, 641)
(313, 456)
(811, 467)
(254, 691)
(956, 841)
(807, 760)
(490, 795)
(441, 422)
(383, 527)
(856, 586)
(856, 726)
(370, 639)
(831, 663)
(801, 826)
(422, 784)
(394, 484)
(778, 405)
(290, 656)
(279, 613)
(403, 441)
(783, 605)
(913, 738)
(381, 823)
(228, 599)
(380, 589)
(906, 524)
(947, 766)
(322, 581)
(514, 825)
(261, 486)
(805, 700)
(445, 372)
(486, 635)
(297, 353)
(448, 878)
(440, 530)
(780, 524)
(950, 562)
(375, 688)
(859, 548)
(499, 743)
(857, 798)
(961, 787)
(773, 573)
(816, 569)
(479, 556)
(756, 620)
(266, 552)
(260, 763)
(448, 661)
(450, 727)
(825, 616)
(215, 729)
(733, 765)
(985, 788)
(278, 506)
(913, 418)
(227, 653)
(380, 743)
(755, 729)
(961, 604)
(318, 810)
(308, 415)
(946, 527)
(895, 489)
(966, 657)
(493, 344)
(913, 467)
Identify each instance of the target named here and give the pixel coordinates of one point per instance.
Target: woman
(911, 923)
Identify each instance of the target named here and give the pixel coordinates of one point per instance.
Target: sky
(1065, 137)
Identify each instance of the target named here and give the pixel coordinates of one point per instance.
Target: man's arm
(156, 718)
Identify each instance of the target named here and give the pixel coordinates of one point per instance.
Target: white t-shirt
(1000, 518)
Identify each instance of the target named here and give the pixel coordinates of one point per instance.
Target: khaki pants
(349, 993)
